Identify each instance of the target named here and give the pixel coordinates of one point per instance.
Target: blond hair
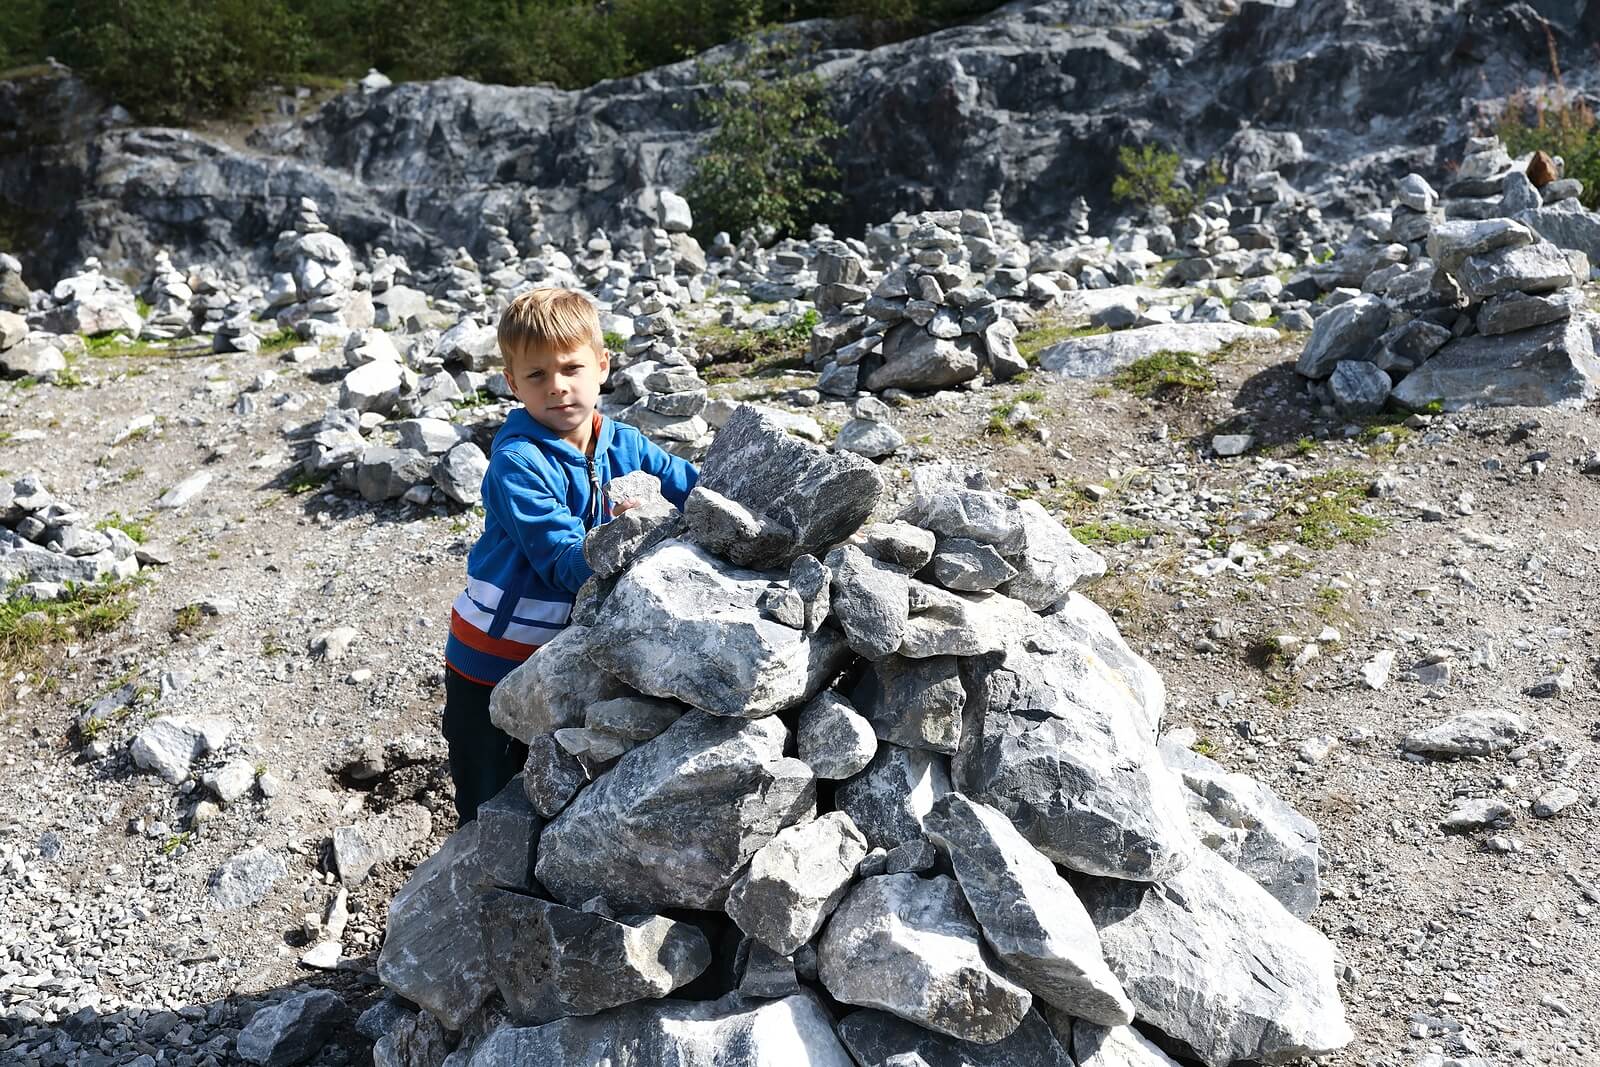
(549, 320)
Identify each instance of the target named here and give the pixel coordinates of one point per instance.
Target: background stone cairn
(46, 543)
(315, 294)
(1475, 310)
(805, 787)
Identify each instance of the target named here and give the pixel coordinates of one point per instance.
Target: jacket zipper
(594, 493)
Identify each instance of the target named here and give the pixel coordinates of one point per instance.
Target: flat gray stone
(1349, 331)
(795, 1031)
(795, 881)
(1515, 311)
(728, 529)
(1566, 224)
(358, 848)
(1536, 268)
(550, 962)
(1475, 733)
(1029, 915)
(969, 567)
(553, 688)
(1114, 1046)
(1102, 355)
(671, 824)
(170, 744)
(1453, 240)
(1546, 365)
(889, 799)
(685, 625)
(1051, 563)
(899, 543)
(910, 946)
(1212, 960)
(915, 359)
(913, 703)
(245, 879)
(943, 623)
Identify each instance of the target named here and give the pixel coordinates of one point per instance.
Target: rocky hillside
(1027, 103)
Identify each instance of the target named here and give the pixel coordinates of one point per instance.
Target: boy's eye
(536, 374)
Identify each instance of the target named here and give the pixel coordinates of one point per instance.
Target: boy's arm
(543, 527)
(678, 476)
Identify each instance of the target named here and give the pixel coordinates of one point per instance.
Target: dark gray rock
(386, 473)
(913, 703)
(832, 739)
(795, 1031)
(819, 497)
(968, 566)
(888, 800)
(1515, 311)
(1535, 268)
(763, 973)
(909, 946)
(796, 880)
(1553, 364)
(1349, 331)
(899, 543)
(508, 830)
(685, 625)
(914, 359)
(550, 962)
(431, 954)
(1252, 828)
(293, 1030)
(551, 776)
(553, 690)
(869, 600)
(813, 584)
(1029, 915)
(1359, 387)
(674, 820)
(877, 1039)
(1213, 961)
(728, 529)
(459, 473)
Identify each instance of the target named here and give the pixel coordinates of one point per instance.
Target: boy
(543, 492)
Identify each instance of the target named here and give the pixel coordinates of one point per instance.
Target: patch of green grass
(30, 628)
(279, 341)
(1165, 376)
(114, 345)
(186, 619)
(1204, 746)
(1030, 396)
(305, 482)
(142, 306)
(615, 342)
(175, 842)
(69, 378)
(755, 353)
(1040, 336)
(1305, 446)
(1330, 517)
(135, 530)
(1282, 696)
(1108, 533)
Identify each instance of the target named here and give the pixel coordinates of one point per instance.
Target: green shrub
(1560, 123)
(767, 164)
(1148, 175)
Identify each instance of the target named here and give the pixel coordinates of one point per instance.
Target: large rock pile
(1489, 314)
(807, 788)
(315, 291)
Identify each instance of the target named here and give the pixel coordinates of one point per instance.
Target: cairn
(323, 300)
(786, 751)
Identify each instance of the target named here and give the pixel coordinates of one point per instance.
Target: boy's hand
(619, 506)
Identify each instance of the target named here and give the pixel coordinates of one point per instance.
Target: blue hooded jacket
(541, 496)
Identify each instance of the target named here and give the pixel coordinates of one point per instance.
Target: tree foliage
(768, 164)
(1148, 175)
(1560, 123)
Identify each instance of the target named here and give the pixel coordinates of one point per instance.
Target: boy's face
(560, 389)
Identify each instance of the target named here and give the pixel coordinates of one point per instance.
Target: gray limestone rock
(889, 799)
(632, 718)
(386, 473)
(795, 1031)
(763, 973)
(1251, 827)
(1349, 331)
(685, 625)
(877, 1039)
(1100, 355)
(728, 529)
(832, 739)
(1415, 193)
(1545, 365)
(551, 776)
(967, 566)
(795, 881)
(909, 946)
(374, 386)
(553, 688)
(819, 497)
(952, 502)
(359, 848)
(612, 545)
(1213, 961)
(431, 954)
(1515, 311)
(868, 438)
(674, 820)
(1114, 1046)
(1475, 733)
(35, 357)
(915, 359)
(1566, 224)
(550, 962)
(245, 879)
(868, 600)
(508, 830)
(1050, 563)
(812, 582)
(943, 623)
(292, 1030)
(1359, 387)
(899, 543)
(1451, 242)
(169, 745)
(1060, 742)
(1029, 915)
(913, 703)
(1407, 347)
(1535, 268)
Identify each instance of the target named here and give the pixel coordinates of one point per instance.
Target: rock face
(909, 946)
(364, 151)
(671, 824)
(1212, 960)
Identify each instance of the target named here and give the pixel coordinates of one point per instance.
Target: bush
(1561, 124)
(768, 164)
(1148, 175)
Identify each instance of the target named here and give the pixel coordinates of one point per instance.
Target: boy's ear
(603, 359)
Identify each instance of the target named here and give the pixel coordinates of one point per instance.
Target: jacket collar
(520, 424)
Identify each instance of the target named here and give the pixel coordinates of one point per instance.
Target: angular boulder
(1546, 365)
(796, 880)
(684, 624)
(553, 688)
(888, 800)
(1349, 331)
(671, 824)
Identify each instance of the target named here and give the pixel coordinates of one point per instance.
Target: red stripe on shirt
(479, 641)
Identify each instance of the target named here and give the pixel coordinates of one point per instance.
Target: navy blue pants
(483, 758)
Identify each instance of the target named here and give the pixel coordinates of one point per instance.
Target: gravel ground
(1479, 566)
